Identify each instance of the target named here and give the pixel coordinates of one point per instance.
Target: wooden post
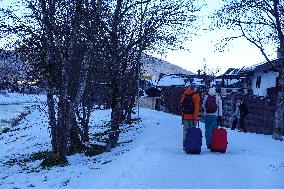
(265, 115)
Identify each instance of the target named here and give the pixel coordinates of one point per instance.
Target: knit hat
(191, 85)
(212, 91)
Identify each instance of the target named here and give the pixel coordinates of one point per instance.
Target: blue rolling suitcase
(193, 141)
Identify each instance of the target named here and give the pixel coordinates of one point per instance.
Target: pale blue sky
(5, 3)
(238, 54)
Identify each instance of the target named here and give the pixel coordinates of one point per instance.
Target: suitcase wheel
(197, 152)
(212, 150)
(221, 151)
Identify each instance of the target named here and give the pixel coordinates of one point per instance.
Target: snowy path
(157, 161)
(154, 160)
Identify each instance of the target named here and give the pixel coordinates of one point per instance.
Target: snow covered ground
(149, 156)
(13, 105)
(15, 98)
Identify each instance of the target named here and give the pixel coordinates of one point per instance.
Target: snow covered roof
(234, 71)
(263, 66)
(171, 80)
(179, 80)
(197, 81)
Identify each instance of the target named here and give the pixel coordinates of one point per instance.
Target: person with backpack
(190, 105)
(239, 115)
(212, 111)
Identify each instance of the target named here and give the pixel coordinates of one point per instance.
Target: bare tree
(261, 23)
(80, 44)
(57, 31)
(131, 28)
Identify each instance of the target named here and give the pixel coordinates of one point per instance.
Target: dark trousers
(241, 121)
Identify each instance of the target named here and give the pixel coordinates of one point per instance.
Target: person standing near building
(239, 115)
(212, 109)
(190, 105)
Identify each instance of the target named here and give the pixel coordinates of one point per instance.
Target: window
(258, 81)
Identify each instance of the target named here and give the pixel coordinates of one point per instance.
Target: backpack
(210, 104)
(188, 104)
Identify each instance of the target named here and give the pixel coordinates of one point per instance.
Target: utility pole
(138, 67)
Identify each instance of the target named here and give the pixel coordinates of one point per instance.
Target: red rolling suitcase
(219, 140)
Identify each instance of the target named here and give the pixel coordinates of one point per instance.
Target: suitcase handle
(197, 123)
(192, 122)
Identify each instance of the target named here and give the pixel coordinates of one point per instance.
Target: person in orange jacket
(190, 119)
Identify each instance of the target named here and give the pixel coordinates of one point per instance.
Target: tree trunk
(129, 111)
(279, 114)
(85, 122)
(62, 129)
(116, 115)
(75, 142)
(52, 121)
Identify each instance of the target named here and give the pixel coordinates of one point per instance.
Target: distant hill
(154, 67)
(12, 67)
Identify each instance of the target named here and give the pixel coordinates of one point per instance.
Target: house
(257, 85)
(259, 80)
(263, 78)
(232, 81)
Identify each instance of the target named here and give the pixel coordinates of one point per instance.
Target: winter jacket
(196, 101)
(237, 112)
(219, 111)
(243, 108)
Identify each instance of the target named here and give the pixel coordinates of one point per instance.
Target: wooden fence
(261, 112)
(259, 120)
(170, 97)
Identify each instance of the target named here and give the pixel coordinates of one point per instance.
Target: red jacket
(196, 101)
